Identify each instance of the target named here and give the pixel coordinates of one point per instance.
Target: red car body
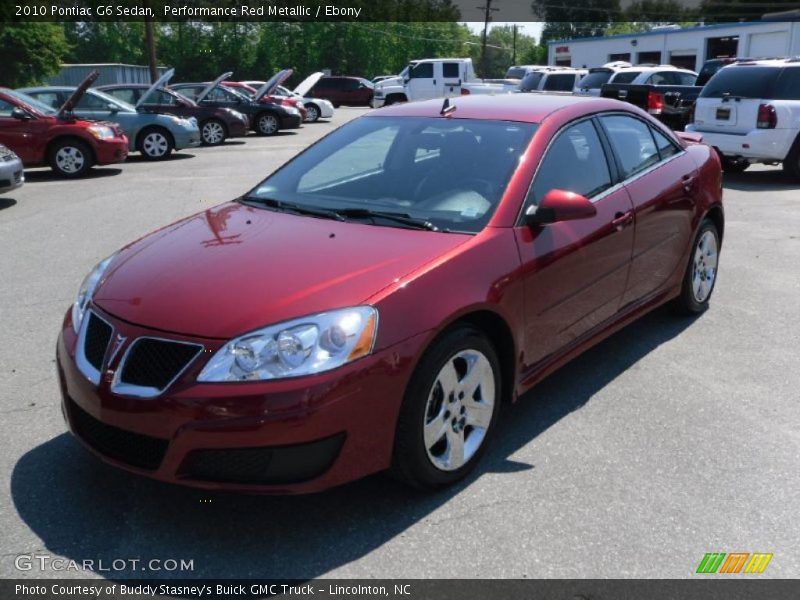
(542, 293)
(33, 138)
(238, 85)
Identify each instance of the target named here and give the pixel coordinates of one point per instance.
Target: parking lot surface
(673, 438)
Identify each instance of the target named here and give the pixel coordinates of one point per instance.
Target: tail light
(767, 117)
(655, 102)
(464, 92)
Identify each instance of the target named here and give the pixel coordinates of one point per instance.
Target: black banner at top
(398, 10)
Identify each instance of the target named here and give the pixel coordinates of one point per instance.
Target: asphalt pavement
(674, 438)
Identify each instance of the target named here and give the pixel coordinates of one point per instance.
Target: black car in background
(266, 118)
(216, 123)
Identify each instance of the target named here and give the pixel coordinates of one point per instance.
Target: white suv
(750, 112)
(551, 79)
(621, 72)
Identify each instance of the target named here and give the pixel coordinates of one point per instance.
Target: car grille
(156, 363)
(98, 334)
(127, 447)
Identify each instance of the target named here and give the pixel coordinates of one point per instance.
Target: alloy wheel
(70, 160)
(267, 124)
(704, 266)
(213, 133)
(459, 410)
(312, 114)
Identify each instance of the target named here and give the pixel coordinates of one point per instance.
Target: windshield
(516, 72)
(531, 81)
(594, 79)
(33, 103)
(449, 172)
(742, 81)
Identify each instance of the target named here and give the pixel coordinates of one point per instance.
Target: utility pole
(514, 45)
(487, 16)
(150, 40)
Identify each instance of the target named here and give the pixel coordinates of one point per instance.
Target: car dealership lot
(671, 439)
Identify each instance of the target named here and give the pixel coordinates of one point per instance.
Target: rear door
(575, 271)
(661, 180)
(452, 78)
(729, 101)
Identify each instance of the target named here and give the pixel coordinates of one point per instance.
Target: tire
(394, 99)
(697, 288)
(792, 163)
(312, 115)
(734, 166)
(155, 143)
(438, 405)
(267, 123)
(213, 132)
(70, 158)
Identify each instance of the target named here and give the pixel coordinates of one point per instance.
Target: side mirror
(112, 107)
(560, 205)
(20, 114)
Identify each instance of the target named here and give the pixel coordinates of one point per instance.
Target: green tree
(566, 19)
(106, 41)
(31, 52)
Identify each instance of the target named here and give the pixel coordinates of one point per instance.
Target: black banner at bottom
(403, 589)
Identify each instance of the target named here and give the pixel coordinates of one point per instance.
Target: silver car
(11, 173)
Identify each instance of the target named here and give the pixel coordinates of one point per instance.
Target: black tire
(394, 99)
(791, 165)
(734, 166)
(213, 132)
(411, 462)
(688, 303)
(267, 123)
(155, 143)
(313, 113)
(70, 158)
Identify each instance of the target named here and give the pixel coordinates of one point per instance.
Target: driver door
(574, 272)
(422, 82)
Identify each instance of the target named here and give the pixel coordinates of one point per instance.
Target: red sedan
(372, 303)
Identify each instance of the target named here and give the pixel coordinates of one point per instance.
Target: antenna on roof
(447, 108)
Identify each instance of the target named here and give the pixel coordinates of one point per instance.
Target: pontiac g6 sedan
(372, 303)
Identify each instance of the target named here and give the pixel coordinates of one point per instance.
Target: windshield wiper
(408, 220)
(295, 208)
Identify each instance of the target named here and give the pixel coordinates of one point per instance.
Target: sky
(528, 28)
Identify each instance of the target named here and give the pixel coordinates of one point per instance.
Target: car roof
(526, 108)
(765, 62)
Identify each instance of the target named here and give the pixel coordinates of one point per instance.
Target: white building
(687, 48)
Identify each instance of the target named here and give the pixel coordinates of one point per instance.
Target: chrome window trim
(84, 366)
(141, 391)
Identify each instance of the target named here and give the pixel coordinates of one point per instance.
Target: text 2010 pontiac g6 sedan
(371, 304)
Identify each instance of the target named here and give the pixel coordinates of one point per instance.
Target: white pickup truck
(437, 78)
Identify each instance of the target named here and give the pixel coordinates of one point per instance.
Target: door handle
(688, 182)
(622, 220)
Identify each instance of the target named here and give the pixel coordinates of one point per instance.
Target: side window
(789, 84)
(49, 98)
(660, 79)
(92, 102)
(574, 162)
(685, 79)
(5, 108)
(632, 143)
(126, 95)
(450, 70)
(422, 71)
(189, 92)
(219, 94)
(161, 98)
(559, 83)
(666, 147)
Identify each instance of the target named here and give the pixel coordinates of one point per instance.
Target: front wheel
(701, 272)
(449, 410)
(312, 113)
(212, 132)
(71, 158)
(267, 124)
(155, 143)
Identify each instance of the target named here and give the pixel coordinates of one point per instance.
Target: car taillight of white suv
(750, 112)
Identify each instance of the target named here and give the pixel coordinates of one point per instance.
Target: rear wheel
(449, 410)
(792, 163)
(701, 272)
(267, 124)
(730, 165)
(212, 132)
(312, 113)
(71, 158)
(155, 143)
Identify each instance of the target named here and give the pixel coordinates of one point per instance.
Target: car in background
(216, 124)
(266, 118)
(316, 108)
(551, 79)
(622, 72)
(153, 135)
(251, 91)
(710, 68)
(11, 170)
(344, 90)
(382, 78)
(750, 112)
(41, 135)
(434, 264)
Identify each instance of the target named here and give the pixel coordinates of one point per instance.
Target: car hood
(234, 268)
(160, 82)
(269, 87)
(309, 82)
(391, 82)
(78, 93)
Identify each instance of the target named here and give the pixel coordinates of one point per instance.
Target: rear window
(743, 82)
(514, 73)
(563, 82)
(625, 76)
(531, 81)
(594, 79)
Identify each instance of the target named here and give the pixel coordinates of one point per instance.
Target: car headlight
(101, 132)
(86, 291)
(303, 346)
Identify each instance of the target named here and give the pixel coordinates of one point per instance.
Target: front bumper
(286, 436)
(757, 144)
(186, 137)
(12, 174)
(112, 150)
(377, 102)
(238, 127)
(291, 121)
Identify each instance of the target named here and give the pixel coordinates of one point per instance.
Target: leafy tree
(569, 19)
(31, 52)
(106, 41)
